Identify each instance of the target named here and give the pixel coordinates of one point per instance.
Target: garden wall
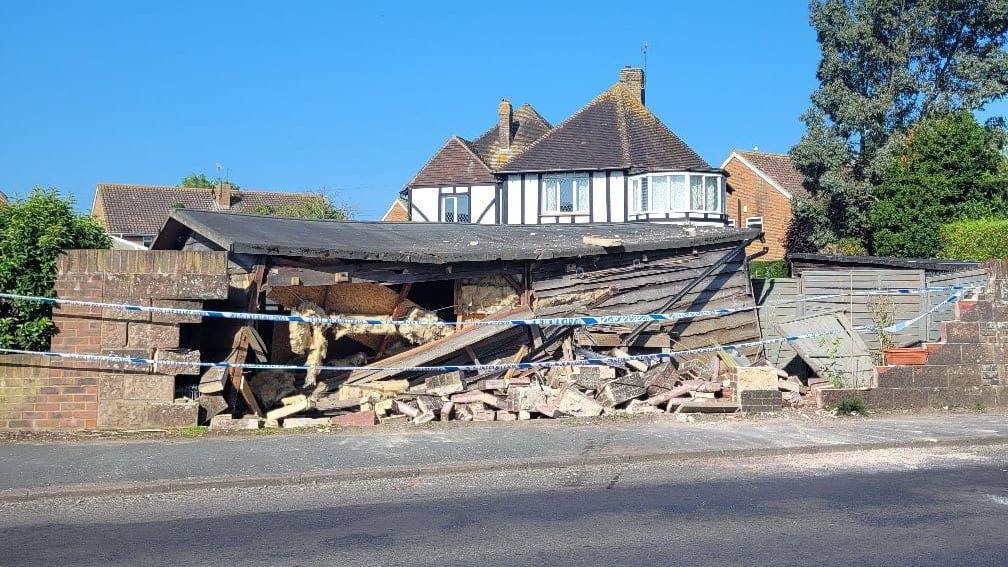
(50, 393)
(968, 368)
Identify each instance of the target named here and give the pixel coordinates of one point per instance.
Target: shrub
(845, 247)
(33, 232)
(851, 406)
(983, 239)
(767, 269)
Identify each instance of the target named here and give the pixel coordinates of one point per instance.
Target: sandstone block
(152, 335)
(176, 355)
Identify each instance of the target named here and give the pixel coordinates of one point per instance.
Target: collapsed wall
(46, 393)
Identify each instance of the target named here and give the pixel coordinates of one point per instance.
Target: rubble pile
(714, 385)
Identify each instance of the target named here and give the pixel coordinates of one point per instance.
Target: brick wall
(66, 394)
(969, 367)
(749, 195)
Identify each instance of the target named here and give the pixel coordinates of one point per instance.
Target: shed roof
(425, 243)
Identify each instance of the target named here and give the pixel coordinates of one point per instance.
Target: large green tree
(33, 232)
(885, 64)
(948, 168)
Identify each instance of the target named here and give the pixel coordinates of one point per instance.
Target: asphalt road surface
(895, 507)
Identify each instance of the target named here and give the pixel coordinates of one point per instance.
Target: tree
(201, 181)
(885, 64)
(33, 232)
(316, 207)
(196, 181)
(948, 168)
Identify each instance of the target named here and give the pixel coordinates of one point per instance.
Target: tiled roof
(456, 163)
(527, 126)
(140, 210)
(614, 131)
(778, 167)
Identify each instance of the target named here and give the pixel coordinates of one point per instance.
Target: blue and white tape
(605, 360)
(587, 320)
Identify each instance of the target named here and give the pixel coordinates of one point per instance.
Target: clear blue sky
(308, 96)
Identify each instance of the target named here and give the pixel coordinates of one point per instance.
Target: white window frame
(454, 199)
(753, 222)
(643, 186)
(577, 207)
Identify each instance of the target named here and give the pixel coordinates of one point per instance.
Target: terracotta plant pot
(908, 355)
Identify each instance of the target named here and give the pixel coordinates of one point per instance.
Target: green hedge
(984, 239)
(767, 269)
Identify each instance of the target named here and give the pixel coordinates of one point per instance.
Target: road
(27, 466)
(885, 507)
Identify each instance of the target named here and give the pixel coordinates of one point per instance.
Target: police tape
(587, 320)
(594, 361)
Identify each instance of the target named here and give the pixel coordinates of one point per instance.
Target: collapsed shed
(453, 273)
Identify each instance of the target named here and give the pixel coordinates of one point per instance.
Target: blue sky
(355, 99)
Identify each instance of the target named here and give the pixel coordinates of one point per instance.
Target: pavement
(31, 471)
(925, 506)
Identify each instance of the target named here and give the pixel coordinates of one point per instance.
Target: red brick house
(760, 187)
(397, 212)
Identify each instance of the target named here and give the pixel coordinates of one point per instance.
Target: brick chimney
(633, 79)
(222, 194)
(504, 125)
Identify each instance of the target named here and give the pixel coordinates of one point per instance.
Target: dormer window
(565, 193)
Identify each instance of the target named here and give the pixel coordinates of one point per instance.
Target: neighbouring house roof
(425, 243)
(464, 162)
(527, 126)
(398, 211)
(3, 197)
(614, 131)
(454, 164)
(138, 210)
(778, 169)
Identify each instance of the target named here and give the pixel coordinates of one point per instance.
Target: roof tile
(778, 167)
(613, 131)
(141, 210)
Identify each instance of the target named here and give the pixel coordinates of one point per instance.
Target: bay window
(675, 193)
(566, 193)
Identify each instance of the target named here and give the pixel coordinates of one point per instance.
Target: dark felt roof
(427, 243)
(614, 131)
(778, 167)
(527, 126)
(454, 164)
(802, 261)
(141, 210)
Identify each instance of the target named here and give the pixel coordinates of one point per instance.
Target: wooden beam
(516, 359)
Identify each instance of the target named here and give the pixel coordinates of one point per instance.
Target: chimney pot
(504, 124)
(633, 79)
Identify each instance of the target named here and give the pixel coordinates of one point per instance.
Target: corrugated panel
(844, 349)
(768, 293)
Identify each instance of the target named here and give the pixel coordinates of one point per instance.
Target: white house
(612, 161)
